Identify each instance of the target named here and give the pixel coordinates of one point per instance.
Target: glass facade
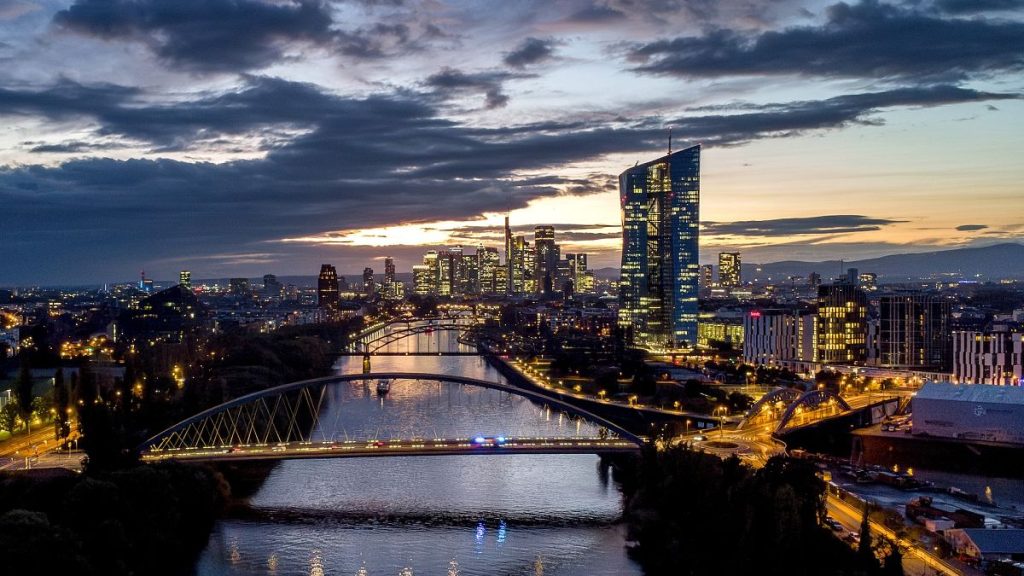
(660, 243)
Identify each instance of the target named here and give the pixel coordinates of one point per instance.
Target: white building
(979, 412)
(778, 337)
(994, 357)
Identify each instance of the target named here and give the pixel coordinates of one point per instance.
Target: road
(411, 447)
(14, 451)
(916, 560)
(545, 383)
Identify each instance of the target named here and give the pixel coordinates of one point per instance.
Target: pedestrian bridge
(384, 415)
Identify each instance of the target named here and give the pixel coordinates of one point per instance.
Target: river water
(552, 515)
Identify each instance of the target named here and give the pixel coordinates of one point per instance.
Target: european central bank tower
(660, 268)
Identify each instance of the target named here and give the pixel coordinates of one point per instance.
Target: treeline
(115, 420)
(691, 513)
(144, 520)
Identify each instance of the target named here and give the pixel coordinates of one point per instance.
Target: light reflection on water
(455, 515)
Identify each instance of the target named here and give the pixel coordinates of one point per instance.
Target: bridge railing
(291, 412)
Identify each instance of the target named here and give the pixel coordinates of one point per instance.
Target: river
(490, 515)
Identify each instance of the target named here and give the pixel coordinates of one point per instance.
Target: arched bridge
(779, 407)
(310, 419)
(375, 339)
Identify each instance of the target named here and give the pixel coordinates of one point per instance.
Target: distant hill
(989, 262)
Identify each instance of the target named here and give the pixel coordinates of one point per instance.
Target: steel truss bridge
(782, 405)
(287, 422)
(376, 339)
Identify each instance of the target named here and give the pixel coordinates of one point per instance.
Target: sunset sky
(243, 137)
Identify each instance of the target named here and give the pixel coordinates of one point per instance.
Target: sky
(244, 137)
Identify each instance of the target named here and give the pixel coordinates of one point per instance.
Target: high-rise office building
(582, 284)
(509, 260)
(423, 280)
(547, 257)
(660, 240)
(185, 279)
(489, 264)
(842, 324)
(868, 280)
(914, 331)
(369, 286)
(389, 270)
(730, 274)
(327, 287)
(707, 275)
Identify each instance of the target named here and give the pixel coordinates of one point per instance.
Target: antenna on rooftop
(669, 140)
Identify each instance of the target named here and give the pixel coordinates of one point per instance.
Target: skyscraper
(660, 240)
(729, 270)
(707, 275)
(369, 286)
(488, 274)
(185, 279)
(547, 256)
(389, 270)
(327, 287)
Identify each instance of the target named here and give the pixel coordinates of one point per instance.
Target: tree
(865, 550)
(893, 565)
(23, 394)
(8, 417)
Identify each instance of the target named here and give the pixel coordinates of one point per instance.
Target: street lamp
(721, 410)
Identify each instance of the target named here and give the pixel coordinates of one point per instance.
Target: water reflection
(476, 515)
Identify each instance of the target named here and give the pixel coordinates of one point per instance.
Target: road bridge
(288, 421)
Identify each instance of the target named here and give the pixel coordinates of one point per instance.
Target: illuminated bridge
(784, 407)
(438, 336)
(388, 414)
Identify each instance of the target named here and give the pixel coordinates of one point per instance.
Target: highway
(411, 447)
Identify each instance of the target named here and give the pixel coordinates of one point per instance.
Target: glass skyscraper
(660, 249)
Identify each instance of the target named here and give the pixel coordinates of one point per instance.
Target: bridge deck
(350, 353)
(379, 448)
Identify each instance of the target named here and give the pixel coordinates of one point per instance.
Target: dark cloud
(450, 81)
(530, 51)
(814, 225)
(205, 35)
(971, 227)
(868, 39)
(596, 14)
(794, 118)
(70, 147)
(349, 163)
(978, 6)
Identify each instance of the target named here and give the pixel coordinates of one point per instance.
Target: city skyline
(347, 132)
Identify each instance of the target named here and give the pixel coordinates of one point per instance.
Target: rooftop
(972, 393)
(1003, 541)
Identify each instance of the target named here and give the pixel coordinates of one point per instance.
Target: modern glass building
(660, 233)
